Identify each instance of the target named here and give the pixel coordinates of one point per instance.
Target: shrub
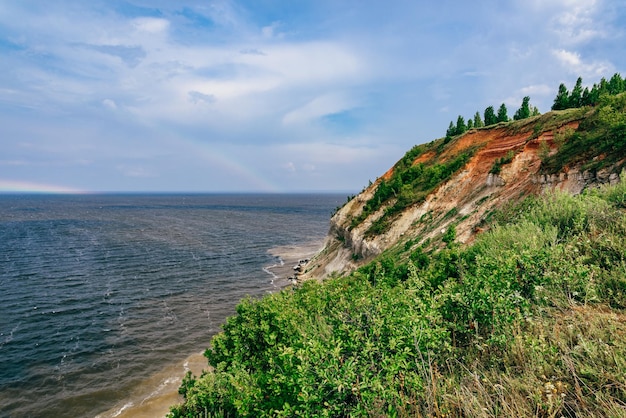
(526, 321)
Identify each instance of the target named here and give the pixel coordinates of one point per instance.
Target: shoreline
(153, 396)
(289, 257)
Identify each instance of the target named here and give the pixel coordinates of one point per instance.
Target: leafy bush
(601, 134)
(498, 163)
(527, 321)
(409, 185)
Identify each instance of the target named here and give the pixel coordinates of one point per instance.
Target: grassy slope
(599, 141)
(527, 321)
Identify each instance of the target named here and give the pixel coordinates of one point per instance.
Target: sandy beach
(154, 396)
(290, 256)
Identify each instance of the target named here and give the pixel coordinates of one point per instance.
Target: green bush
(523, 322)
(603, 133)
(409, 185)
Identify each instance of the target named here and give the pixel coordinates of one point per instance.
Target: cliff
(477, 294)
(502, 164)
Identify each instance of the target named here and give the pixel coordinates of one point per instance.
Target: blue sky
(267, 95)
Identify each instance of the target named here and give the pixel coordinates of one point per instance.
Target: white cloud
(270, 31)
(174, 78)
(575, 24)
(108, 103)
(320, 106)
(537, 90)
(241, 74)
(568, 58)
(151, 25)
(309, 62)
(196, 97)
(573, 62)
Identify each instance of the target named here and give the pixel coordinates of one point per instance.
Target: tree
(478, 122)
(575, 97)
(603, 88)
(524, 111)
(534, 111)
(470, 123)
(561, 101)
(451, 130)
(460, 125)
(585, 99)
(502, 113)
(490, 116)
(616, 84)
(594, 96)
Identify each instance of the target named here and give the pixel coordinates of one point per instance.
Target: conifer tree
(524, 111)
(561, 101)
(575, 97)
(460, 125)
(585, 99)
(478, 122)
(490, 116)
(594, 95)
(470, 123)
(451, 130)
(502, 114)
(603, 88)
(616, 84)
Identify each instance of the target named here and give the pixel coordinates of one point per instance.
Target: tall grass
(529, 321)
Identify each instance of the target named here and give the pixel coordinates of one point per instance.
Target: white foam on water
(172, 380)
(155, 395)
(122, 409)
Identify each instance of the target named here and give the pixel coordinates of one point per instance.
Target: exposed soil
(464, 201)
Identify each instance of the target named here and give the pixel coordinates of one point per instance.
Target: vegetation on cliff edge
(409, 184)
(599, 141)
(529, 320)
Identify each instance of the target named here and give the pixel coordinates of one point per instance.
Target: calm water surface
(100, 291)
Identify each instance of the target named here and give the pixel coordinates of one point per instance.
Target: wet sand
(290, 256)
(154, 396)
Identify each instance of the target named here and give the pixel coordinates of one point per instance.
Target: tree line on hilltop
(564, 99)
(579, 97)
(491, 118)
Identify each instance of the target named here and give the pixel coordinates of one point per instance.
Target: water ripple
(100, 292)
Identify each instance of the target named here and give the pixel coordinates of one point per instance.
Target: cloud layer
(236, 95)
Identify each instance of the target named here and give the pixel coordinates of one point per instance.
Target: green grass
(599, 141)
(409, 184)
(530, 320)
(498, 163)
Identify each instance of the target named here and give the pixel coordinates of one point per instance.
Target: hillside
(501, 165)
(484, 275)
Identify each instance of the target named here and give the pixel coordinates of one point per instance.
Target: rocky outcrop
(576, 181)
(465, 200)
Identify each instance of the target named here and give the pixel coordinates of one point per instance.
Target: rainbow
(232, 167)
(252, 179)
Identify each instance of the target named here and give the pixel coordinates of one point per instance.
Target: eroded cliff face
(465, 200)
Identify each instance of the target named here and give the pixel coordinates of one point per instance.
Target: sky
(271, 95)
